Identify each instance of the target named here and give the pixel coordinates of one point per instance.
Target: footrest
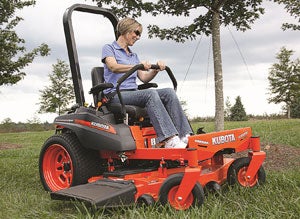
(105, 192)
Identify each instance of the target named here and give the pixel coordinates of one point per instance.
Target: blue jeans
(163, 108)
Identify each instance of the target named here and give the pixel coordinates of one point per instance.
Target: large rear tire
(237, 174)
(169, 189)
(64, 162)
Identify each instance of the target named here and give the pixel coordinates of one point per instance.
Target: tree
(295, 108)
(292, 7)
(284, 80)
(295, 105)
(13, 55)
(183, 103)
(227, 111)
(56, 97)
(7, 121)
(238, 112)
(239, 14)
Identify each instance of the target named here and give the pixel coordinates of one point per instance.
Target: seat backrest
(97, 78)
(97, 75)
(134, 112)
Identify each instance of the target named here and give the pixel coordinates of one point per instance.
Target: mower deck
(123, 187)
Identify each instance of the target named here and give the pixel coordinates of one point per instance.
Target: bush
(7, 125)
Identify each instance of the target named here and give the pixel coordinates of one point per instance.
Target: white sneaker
(185, 139)
(175, 142)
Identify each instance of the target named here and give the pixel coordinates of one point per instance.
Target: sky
(246, 58)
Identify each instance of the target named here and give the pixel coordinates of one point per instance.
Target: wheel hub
(67, 166)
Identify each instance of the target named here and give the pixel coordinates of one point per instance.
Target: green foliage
(239, 14)
(8, 126)
(237, 112)
(13, 54)
(57, 97)
(295, 108)
(183, 104)
(284, 80)
(292, 7)
(227, 110)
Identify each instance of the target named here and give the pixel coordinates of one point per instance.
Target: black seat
(134, 112)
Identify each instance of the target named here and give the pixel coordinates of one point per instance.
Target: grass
(22, 195)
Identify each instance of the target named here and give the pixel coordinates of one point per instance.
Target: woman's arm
(144, 75)
(116, 67)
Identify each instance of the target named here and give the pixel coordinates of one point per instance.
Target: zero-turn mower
(106, 154)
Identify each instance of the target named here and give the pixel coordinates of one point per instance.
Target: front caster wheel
(237, 174)
(145, 200)
(169, 189)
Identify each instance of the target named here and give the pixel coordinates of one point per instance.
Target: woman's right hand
(147, 65)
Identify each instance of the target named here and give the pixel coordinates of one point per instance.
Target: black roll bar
(71, 44)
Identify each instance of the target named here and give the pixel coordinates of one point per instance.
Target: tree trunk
(216, 45)
(59, 112)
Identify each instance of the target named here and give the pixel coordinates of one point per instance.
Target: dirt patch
(281, 157)
(4, 146)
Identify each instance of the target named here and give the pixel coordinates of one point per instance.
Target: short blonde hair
(127, 25)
